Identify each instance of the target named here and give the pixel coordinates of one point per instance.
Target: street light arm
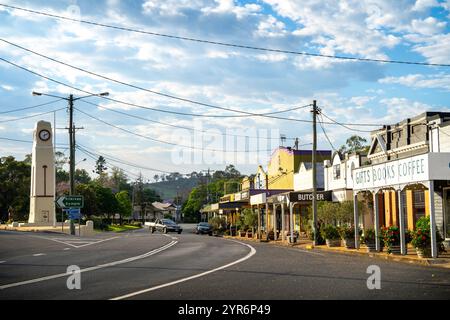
(48, 95)
(103, 94)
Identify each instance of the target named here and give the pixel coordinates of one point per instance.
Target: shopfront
(289, 211)
(404, 190)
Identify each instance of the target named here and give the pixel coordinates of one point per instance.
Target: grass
(121, 228)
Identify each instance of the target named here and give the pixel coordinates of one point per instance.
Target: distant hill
(168, 189)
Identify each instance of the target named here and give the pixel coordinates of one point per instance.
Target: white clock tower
(42, 197)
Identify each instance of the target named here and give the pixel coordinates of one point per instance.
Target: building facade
(409, 175)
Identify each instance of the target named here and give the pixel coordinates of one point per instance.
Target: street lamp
(70, 101)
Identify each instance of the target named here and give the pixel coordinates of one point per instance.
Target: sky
(253, 81)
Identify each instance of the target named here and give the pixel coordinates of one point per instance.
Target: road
(141, 265)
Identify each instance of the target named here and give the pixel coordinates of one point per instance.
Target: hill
(168, 189)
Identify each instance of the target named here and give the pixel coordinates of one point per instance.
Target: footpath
(443, 261)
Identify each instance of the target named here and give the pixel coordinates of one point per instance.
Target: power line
(181, 127)
(115, 159)
(166, 111)
(28, 141)
(32, 107)
(225, 44)
(345, 124)
(32, 116)
(151, 91)
(166, 142)
(143, 107)
(107, 162)
(324, 132)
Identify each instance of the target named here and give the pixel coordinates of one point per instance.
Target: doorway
(446, 201)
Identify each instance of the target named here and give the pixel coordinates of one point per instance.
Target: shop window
(336, 171)
(419, 204)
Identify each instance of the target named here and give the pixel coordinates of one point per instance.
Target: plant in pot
(391, 239)
(368, 238)
(421, 238)
(331, 235)
(348, 236)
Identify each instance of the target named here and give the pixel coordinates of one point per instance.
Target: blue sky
(252, 81)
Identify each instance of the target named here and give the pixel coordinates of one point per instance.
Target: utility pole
(314, 193)
(71, 157)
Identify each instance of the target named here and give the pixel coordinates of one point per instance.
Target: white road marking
(39, 254)
(73, 241)
(2, 261)
(106, 265)
(248, 256)
(66, 249)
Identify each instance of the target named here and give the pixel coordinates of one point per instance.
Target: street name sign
(65, 202)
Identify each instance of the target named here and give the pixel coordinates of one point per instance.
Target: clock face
(44, 135)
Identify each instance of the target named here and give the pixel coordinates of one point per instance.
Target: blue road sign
(74, 213)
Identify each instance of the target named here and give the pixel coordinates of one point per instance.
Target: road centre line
(248, 256)
(38, 254)
(106, 265)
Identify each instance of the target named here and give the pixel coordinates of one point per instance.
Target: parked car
(204, 228)
(164, 226)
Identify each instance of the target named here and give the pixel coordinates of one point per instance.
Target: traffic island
(85, 230)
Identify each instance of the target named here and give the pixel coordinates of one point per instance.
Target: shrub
(390, 237)
(99, 224)
(136, 224)
(330, 232)
(421, 236)
(346, 232)
(368, 236)
(219, 224)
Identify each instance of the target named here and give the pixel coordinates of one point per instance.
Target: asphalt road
(140, 265)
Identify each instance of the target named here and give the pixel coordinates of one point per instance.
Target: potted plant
(391, 239)
(421, 238)
(368, 238)
(348, 236)
(331, 235)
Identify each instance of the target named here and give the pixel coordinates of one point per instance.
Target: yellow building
(285, 162)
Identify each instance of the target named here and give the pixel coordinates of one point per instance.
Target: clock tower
(42, 197)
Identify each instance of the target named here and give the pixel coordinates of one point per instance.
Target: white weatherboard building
(409, 176)
(338, 174)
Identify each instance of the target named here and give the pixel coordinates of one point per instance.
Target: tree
(82, 176)
(250, 219)
(156, 177)
(100, 169)
(119, 180)
(15, 179)
(123, 204)
(60, 160)
(88, 191)
(106, 201)
(100, 165)
(354, 144)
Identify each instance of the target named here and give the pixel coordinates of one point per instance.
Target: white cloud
(428, 26)
(422, 5)
(435, 81)
(7, 87)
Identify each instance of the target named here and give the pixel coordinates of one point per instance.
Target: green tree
(82, 176)
(119, 180)
(15, 179)
(250, 219)
(123, 204)
(354, 144)
(88, 191)
(106, 201)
